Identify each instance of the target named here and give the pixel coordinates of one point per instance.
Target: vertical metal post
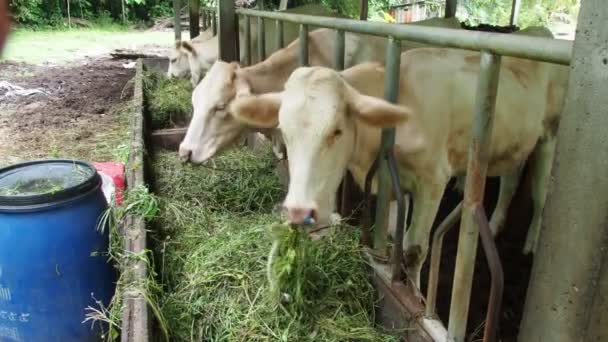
(204, 20)
(195, 7)
(475, 182)
(567, 295)
(228, 34)
(303, 55)
(214, 20)
(279, 37)
(177, 20)
(208, 18)
(391, 92)
(515, 12)
(261, 40)
(248, 40)
(450, 8)
(339, 51)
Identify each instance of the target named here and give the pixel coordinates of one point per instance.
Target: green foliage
(53, 13)
(532, 12)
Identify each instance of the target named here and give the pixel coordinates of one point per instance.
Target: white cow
(213, 129)
(332, 121)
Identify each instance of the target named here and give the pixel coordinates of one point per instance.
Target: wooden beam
(177, 25)
(195, 9)
(363, 9)
(228, 34)
(450, 8)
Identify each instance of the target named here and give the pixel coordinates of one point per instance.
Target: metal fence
(474, 222)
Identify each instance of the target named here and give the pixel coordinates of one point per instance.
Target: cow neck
(270, 75)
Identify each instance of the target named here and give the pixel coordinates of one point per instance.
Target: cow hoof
(411, 255)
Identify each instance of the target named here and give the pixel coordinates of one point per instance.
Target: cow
(332, 122)
(194, 58)
(213, 129)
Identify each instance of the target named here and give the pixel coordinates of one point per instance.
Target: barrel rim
(75, 191)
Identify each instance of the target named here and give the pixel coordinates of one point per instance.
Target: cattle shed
(559, 291)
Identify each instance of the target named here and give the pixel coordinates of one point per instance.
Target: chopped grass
(212, 243)
(169, 100)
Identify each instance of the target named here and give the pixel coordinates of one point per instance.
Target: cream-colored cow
(213, 129)
(332, 121)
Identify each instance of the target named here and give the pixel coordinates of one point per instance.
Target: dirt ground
(81, 117)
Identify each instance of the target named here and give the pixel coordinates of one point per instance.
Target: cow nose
(299, 215)
(184, 154)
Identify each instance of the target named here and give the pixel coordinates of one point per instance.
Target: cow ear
(374, 111)
(241, 85)
(259, 110)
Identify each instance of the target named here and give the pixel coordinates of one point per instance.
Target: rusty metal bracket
(496, 274)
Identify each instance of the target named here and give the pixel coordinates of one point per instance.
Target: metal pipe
(261, 40)
(363, 9)
(366, 238)
(535, 48)
(515, 12)
(397, 257)
(496, 274)
(228, 35)
(437, 246)
(177, 20)
(248, 40)
(339, 50)
(303, 52)
(280, 42)
(391, 92)
(479, 151)
(214, 22)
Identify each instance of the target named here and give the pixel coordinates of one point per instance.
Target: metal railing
(209, 18)
(474, 222)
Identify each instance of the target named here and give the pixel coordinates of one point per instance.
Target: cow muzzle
(301, 215)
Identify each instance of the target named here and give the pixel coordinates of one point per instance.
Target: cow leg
(416, 241)
(541, 173)
(508, 186)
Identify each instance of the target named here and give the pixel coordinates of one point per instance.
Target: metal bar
(366, 238)
(228, 32)
(261, 40)
(391, 91)
(535, 48)
(397, 257)
(339, 51)
(214, 21)
(279, 42)
(479, 151)
(496, 274)
(204, 19)
(450, 8)
(195, 7)
(177, 20)
(303, 52)
(515, 12)
(444, 227)
(248, 40)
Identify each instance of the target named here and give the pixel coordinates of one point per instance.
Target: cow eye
(173, 60)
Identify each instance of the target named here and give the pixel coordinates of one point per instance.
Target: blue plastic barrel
(53, 260)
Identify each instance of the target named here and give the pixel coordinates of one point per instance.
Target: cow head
(212, 127)
(318, 114)
(179, 65)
